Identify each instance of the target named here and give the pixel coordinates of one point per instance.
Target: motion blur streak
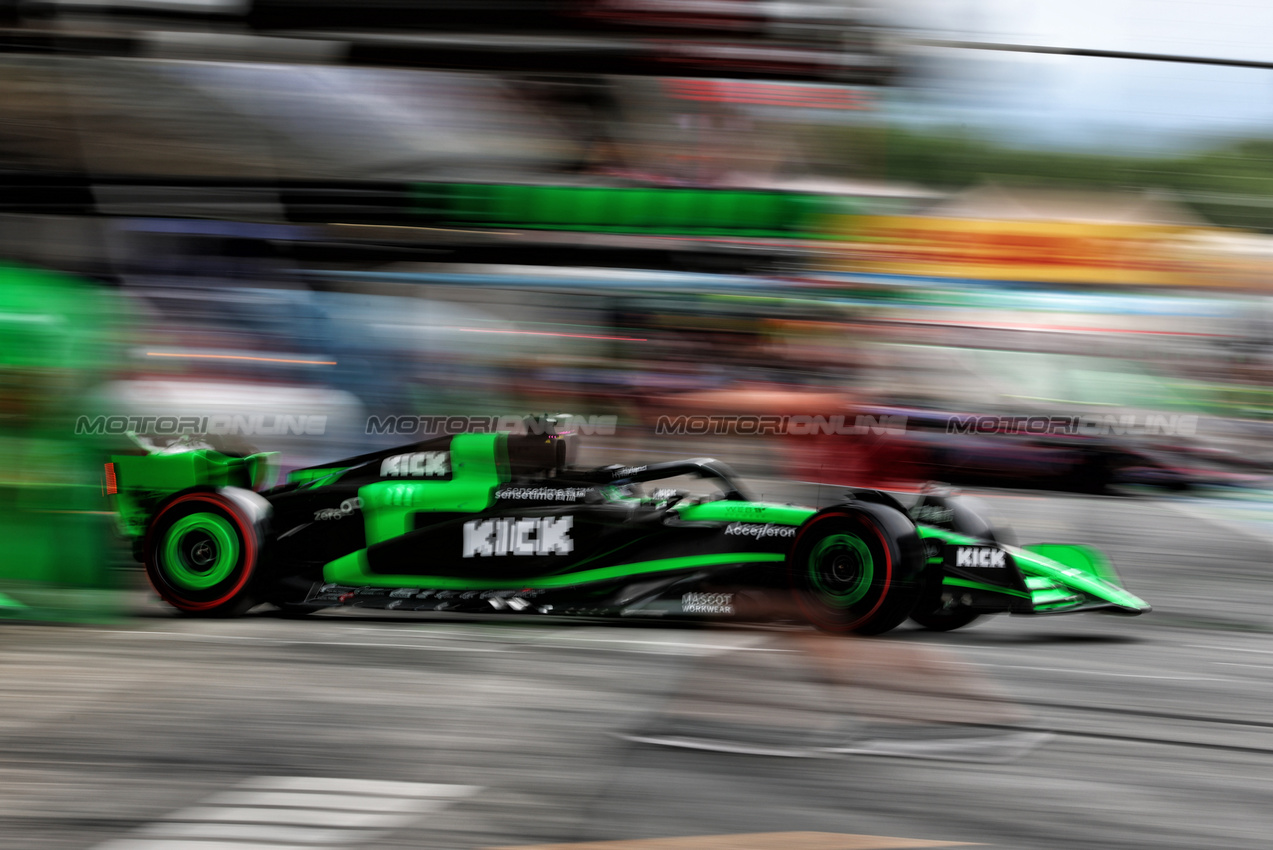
(549, 333)
(242, 357)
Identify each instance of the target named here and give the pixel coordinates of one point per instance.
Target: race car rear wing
(141, 482)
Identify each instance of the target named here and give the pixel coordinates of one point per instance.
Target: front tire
(856, 571)
(201, 555)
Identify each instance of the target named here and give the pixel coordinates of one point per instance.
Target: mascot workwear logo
(417, 465)
(980, 556)
(707, 603)
(545, 535)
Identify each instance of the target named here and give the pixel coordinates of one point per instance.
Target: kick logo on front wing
(980, 556)
(548, 535)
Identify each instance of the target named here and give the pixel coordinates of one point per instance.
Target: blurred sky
(1067, 101)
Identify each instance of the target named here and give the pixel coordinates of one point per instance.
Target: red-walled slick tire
(856, 569)
(202, 554)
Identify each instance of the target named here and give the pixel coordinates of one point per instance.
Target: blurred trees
(1229, 184)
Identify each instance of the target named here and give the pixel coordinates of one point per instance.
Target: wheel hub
(844, 568)
(199, 551)
(841, 569)
(203, 553)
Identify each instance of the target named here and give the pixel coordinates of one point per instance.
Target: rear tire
(201, 555)
(854, 570)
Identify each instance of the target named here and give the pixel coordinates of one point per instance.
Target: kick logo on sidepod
(484, 538)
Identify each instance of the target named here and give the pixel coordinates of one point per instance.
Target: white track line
(256, 832)
(1090, 672)
(293, 813)
(185, 844)
(358, 786)
(1226, 648)
(268, 641)
(310, 800)
(677, 645)
(290, 817)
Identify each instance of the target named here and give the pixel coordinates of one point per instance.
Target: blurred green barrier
(654, 211)
(55, 562)
(56, 344)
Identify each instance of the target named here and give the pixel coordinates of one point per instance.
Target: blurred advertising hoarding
(1057, 252)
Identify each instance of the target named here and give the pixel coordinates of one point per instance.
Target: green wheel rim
(200, 551)
(841, 568)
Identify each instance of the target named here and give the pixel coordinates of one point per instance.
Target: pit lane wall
(1047, 252)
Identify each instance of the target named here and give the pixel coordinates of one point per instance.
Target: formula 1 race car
(504, 522)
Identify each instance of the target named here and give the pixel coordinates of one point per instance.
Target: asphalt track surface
(160, 733)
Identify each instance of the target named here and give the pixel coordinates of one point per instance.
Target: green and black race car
(504, 522)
